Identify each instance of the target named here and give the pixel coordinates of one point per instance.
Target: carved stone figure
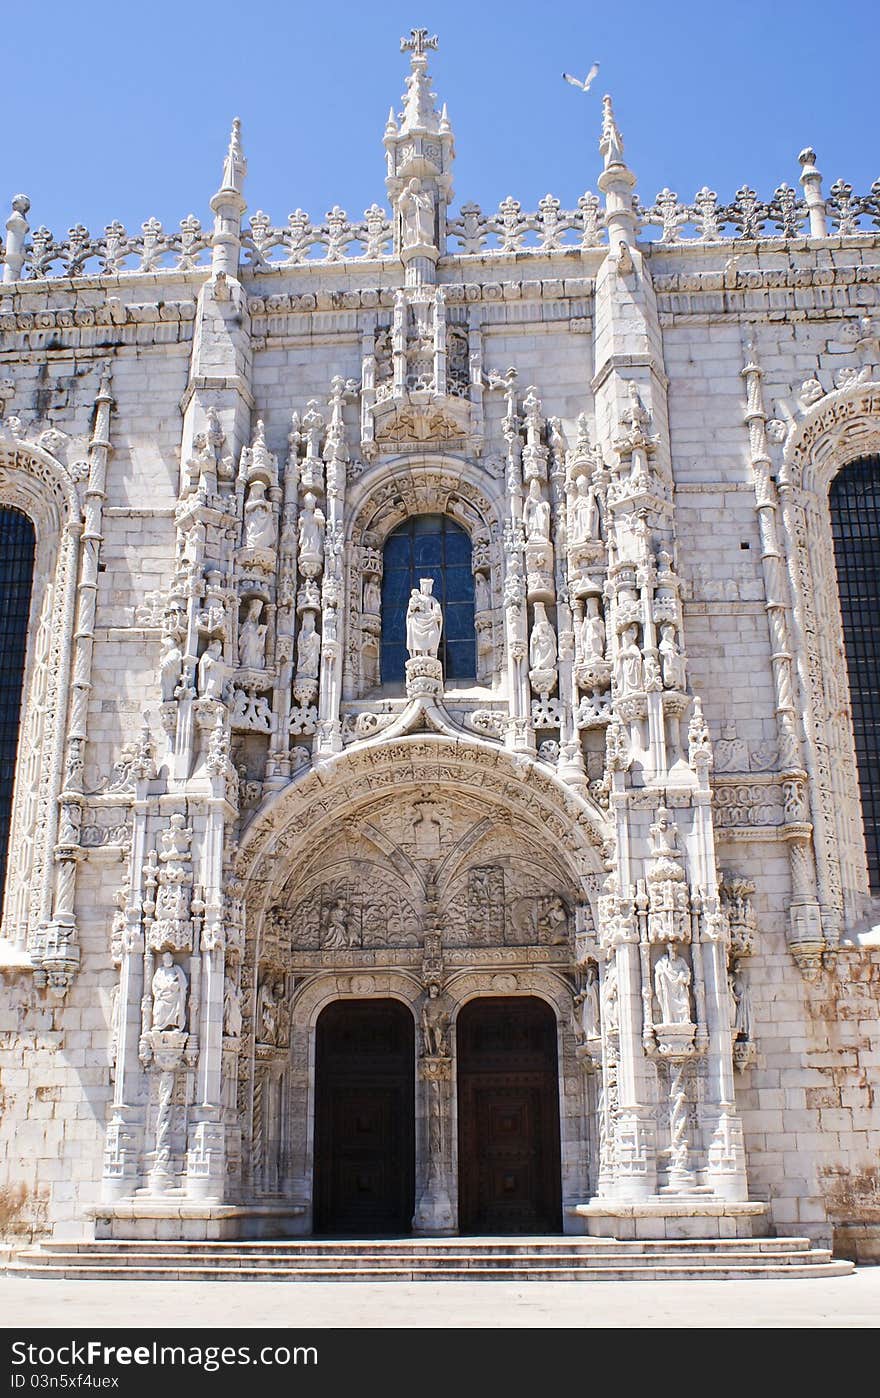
(482, 601)
(424, 620)
(231, 1009)
(672, 980)
(542, 643)
(336, 935)
(168, 989)
(593, 632)
(628, 662)
(259, 523)
(671, 658)
(416, 207)
(311, 531)
(268, 1008)
(553, 921)
(308, 649)
(252, 637)
(536, 515)
(372, 597)
(609, 997)
(169, 667)
(584, 513)
(435, 1026)
(742, 1023)
(586, 1022)
(212, 672)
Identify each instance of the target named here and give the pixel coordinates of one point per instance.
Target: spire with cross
(418, 43)
(419, 144)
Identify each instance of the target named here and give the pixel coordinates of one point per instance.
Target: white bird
(585, 85)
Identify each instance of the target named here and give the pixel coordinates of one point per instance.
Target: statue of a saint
(482, 602)
(372, 597)
(424, 620)
(587, 1025)
(672, 980)
(308, 649)
(311, 531)
(416, 207)
(742, 1023)
(252, 637)
(435, 1026)
(628, 662)
(231, 1010)
(584, 513)
(169, 668)
(267, 1011)
(212, 672)
(609, 997)
(536, 515)
(542, 643)
(168, 989)
(593, 632)
(671, 658)
(259, 525)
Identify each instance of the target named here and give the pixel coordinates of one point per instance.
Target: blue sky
(124, 112)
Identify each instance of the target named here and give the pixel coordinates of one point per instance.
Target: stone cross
(418, 43)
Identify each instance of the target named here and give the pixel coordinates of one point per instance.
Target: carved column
(805, 934)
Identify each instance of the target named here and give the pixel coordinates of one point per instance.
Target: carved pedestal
(434, 1213)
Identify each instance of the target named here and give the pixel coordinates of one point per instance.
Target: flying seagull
(585, 85)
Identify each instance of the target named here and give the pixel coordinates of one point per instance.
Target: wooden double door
(508, 1118)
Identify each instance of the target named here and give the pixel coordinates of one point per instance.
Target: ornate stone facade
(642, 811)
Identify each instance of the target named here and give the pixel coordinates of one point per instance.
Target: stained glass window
(429, 546)
(855, 526)
(16, 577)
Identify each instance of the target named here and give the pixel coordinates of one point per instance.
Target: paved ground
(843, 1302)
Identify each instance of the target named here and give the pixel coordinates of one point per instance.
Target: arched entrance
(364, 1181)
(508, 1117)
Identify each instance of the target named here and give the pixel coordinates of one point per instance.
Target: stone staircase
(431, 1259)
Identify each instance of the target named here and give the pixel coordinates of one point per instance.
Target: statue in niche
(212, 672)
(269, 997)
(336, 935)
(628, 662)
(584, 513)
(742, 1023)
(416, 206)
(672, 980)
(259, 525)
(252, 637)
(424, 620)
(542, 643)
(586, 1004)
(609, 997)
(671, 658)
(308, 649)
(170, 665)
(663, 844)
(231, 1009)
(536, 515)
(311, 531)
(168, 989)
(482, 601)
(435, 1025)
(372, 596)
(593, 632)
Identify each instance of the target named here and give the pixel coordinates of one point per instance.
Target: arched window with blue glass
(429, 546)
(17, 546)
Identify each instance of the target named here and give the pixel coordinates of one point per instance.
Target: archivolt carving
(840, 428)
(35, 483)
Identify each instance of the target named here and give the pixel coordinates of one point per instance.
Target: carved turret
(228, 205)
(420, 151)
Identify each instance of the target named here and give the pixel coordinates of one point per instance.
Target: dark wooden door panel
(364, 1118)
(509, 1180)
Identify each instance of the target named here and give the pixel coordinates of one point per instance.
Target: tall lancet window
(429, 546)
(16, 578)
(855, 525)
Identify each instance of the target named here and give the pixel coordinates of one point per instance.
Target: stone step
(562, 1257)
(418, 1246)
(705, 1271)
